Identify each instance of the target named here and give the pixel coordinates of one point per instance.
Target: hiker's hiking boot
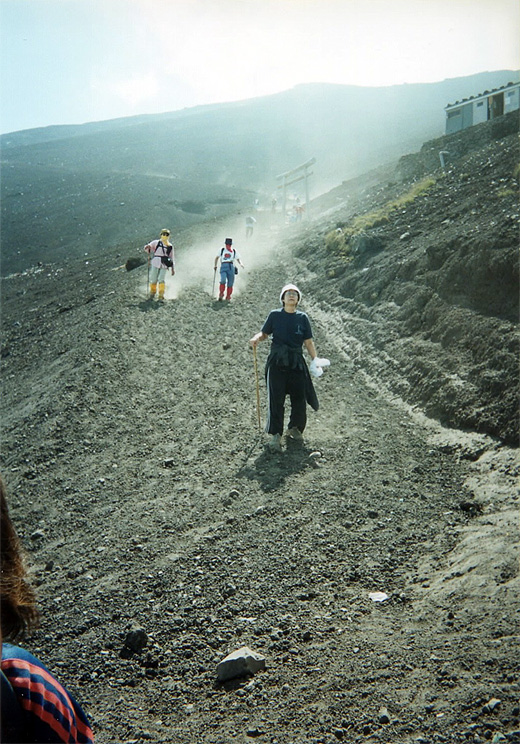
(295, 434)
(220, 297)
(275, 443)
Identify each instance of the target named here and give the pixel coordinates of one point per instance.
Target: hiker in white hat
(286, 370)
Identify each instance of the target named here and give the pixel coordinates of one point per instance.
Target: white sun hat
(290, 286)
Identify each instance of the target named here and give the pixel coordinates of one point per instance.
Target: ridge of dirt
(141, 488)
(431, 293)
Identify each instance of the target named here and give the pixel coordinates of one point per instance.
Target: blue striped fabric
(50, 713)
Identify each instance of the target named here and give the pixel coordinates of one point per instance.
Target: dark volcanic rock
(132, 453)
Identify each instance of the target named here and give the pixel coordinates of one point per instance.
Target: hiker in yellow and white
(160, 259)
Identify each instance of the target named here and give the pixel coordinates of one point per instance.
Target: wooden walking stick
(257, 388)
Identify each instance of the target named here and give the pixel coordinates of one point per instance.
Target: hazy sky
(73, 61)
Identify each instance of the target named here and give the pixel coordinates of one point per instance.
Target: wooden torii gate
(293, 176)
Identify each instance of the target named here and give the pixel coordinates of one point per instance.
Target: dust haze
(194, 262)
(138, 476)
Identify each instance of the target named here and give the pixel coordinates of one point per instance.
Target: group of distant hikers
(35, 706)
(286, 372)
(161, 258)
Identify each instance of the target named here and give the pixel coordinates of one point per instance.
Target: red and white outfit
(228, 255)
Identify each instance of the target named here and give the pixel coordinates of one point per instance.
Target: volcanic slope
(141, 487)
(424, 271)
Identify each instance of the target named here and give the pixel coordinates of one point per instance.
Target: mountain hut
(486, 106)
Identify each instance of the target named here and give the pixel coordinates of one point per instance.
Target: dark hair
(17, 598)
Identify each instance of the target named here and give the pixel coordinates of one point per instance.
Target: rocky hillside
(425, 268)
(374, 568)
(90, 187)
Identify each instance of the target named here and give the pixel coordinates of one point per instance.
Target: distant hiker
(286, 371)
(35, 706)
(250, 223)
(227, 256)
(160, 259)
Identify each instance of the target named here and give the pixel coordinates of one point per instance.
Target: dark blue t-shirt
(291, 329)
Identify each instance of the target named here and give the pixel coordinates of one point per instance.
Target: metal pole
(257, 388)
(306, 194)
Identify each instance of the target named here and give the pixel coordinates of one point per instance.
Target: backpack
(165, 260)
(234, 256)
(11, 723)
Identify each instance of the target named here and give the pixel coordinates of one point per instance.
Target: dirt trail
(143, 491)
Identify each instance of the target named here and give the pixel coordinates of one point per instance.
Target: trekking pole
(148, 278)
(257, 387)
(214, 277)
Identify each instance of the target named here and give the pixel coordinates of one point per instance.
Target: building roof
(485, 94)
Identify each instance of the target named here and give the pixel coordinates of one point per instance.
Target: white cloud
(128, 91)
(147, 56)
(138, 89)
(240, 48)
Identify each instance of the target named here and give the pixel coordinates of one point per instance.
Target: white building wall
(511, 100)
(480, 111)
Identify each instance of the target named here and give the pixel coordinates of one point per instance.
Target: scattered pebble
(378, 596)
(136, 639)
(491, 705)
(239, 663)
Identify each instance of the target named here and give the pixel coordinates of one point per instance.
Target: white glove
(316, 366)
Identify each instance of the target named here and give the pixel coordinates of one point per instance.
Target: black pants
(280, 383)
